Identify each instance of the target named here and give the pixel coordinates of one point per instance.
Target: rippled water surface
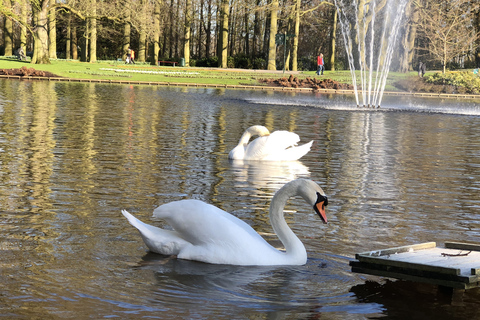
(73, 155)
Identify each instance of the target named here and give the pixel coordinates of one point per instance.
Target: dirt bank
(25, 72)
(294, 82)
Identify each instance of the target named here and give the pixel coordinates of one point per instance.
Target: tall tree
(68, 40)
(188, 25)
(52, 31)
(448, 26)
(40, 18)
(333, 38)
(208, 29)
(142, 37)
(297, 34)
(477, 43)
(272, 48)
(74, 42)
(412, 35)
(23, 25)
(223, 37)
(127, 30)
(8, 30)
(257, 21)
(156, 33)
(93, 31)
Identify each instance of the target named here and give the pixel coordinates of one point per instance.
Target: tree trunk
(256, 31)
(200, 30)
(8, 32)
(172, 24)
(126, 37)
(52, 31)
(23, 28)
(40, 51)
(295, 39)
(231, 31)
(272, 48)
(68, 40)
(223, 54)
(247, 33)
(333, 39)
(266, 35)
(412, 35)
(84, 43)
(142, 43)
(93, 33)
(188, 25)
(156, 33)
(477, 43)
(208, 30)
(142, 34)
(74, 43)
(408, 40)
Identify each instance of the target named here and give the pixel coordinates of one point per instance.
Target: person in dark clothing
(422, 67)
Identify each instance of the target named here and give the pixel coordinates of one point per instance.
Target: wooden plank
(391, 251)
(411, 266)
(387, 269)
(403, 276)
(462, 246)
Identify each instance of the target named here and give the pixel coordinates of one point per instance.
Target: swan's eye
(321, 198)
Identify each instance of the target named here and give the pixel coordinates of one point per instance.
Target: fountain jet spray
(367, 50)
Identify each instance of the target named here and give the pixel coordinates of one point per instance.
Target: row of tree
(267, 34)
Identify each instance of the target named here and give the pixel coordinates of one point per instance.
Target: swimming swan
(203, 232)
(276, 146)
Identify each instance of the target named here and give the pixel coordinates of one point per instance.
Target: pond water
(73, 155)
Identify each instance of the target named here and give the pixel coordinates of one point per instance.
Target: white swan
(203, 232)
(276, 146)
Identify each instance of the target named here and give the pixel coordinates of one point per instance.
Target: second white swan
(276, 146)
(203, 232)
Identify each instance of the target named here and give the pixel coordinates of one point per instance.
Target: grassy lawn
(118, 70)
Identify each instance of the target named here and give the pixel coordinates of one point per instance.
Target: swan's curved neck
(293, 246)
(245, 138)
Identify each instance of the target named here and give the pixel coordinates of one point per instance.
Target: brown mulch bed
(294, 82)
(26, 72)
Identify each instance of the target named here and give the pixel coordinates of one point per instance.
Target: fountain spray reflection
(373, 54)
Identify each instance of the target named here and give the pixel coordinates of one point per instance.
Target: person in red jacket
(320, 66)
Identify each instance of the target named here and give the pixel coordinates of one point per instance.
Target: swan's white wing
(200, 222)
(290, 154)
(278, 146)
(157, 240)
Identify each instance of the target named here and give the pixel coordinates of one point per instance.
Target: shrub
(467, 80)
(259, 63)
(207, 62)
(242, 61)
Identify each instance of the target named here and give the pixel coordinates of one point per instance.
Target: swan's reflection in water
(281, 291)
(269, 175)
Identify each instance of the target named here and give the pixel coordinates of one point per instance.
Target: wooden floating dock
(457, 265)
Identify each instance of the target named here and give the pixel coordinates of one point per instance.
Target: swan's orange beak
(320, 210)
(319, 207)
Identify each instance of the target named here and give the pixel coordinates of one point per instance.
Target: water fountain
(367, 51)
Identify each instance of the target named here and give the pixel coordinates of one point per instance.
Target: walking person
(422, 68)
(129, 55)
(320, 66)
(132, 57)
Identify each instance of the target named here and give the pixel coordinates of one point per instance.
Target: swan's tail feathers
(156, 239)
